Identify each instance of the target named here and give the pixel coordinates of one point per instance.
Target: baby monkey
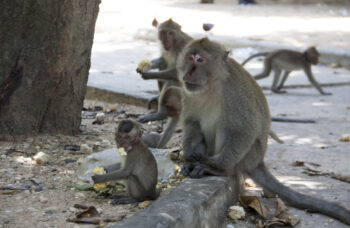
(138, 169)
(288, 61)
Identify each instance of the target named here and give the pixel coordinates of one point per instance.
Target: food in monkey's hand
(99, 186)
(144, 65)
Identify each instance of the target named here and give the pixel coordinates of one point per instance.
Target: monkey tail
(264, 178)
(291, 120)
(254, 56)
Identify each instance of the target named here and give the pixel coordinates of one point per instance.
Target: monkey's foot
(124, 200)
(142, 119)
(278, 91)
(326, 93)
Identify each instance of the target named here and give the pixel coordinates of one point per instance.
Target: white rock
(84, 148)
(41, 158)
(236, 212)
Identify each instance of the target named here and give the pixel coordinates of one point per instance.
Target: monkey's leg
(152, 117)
(151, 139)
(284, 78)
(311, 78)
(194, 146)
(112, 168)
(266, 71)
(116, 175)
(168, 74)
(169, 130)
(275, 81)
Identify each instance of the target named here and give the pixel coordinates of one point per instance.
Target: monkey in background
(139, 169)
(172, 40)
(288, 61)
(226, 123)
(169, 104)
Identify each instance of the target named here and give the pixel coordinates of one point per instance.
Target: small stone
(80, 195)
(144, 204)
(41, 158)
(84, 148)
(229, 226)
(43, 199)
(330, 220)
(236, 212)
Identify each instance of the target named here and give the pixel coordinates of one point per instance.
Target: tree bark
(45, 49)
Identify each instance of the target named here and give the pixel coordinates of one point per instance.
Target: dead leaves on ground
(281, 216)
(312, 170)
(90, 215)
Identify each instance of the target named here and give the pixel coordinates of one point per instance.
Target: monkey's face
(167, 37)
(312, 55)
(127, 134)
(195, 75)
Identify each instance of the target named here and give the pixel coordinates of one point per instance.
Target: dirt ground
(51, 206)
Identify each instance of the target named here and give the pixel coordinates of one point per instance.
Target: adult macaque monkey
(139, 168)
(288, 61)
(171, 106)
(227, 122)
(172, 40)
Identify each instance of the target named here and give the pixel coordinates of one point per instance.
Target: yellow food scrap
(122, 151)
(144, 65)
(99, 186)
(99, 170)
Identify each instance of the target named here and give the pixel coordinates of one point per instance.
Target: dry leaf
(88, 213)
(282, 217)
(254, 203)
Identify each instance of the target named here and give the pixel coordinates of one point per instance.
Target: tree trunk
(45, 49)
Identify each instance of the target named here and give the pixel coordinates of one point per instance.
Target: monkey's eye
(190, 58)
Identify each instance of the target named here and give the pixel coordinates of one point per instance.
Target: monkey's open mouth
(193, 69)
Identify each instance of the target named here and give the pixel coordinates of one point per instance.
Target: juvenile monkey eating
(288, 61)
(138, 169)
(172, 41)
(226, 123)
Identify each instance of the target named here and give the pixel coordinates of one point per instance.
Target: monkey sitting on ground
(288, 61)
(139, 169)
(172, 40)
(170, 104)
(226, 123)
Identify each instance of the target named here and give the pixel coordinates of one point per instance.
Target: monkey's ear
(226, 54)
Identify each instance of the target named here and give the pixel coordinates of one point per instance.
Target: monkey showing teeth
(288, 61)
(226, 123)
(138, 168)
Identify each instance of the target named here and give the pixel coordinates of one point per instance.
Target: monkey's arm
(169, 130)
(168, 74)
(152, 117)
(112, 167)
(157, 63)
(311, 78)
(112, 176)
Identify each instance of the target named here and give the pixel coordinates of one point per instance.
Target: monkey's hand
(199, 171)
(97, 178)
(144, 65)
(187, 168)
